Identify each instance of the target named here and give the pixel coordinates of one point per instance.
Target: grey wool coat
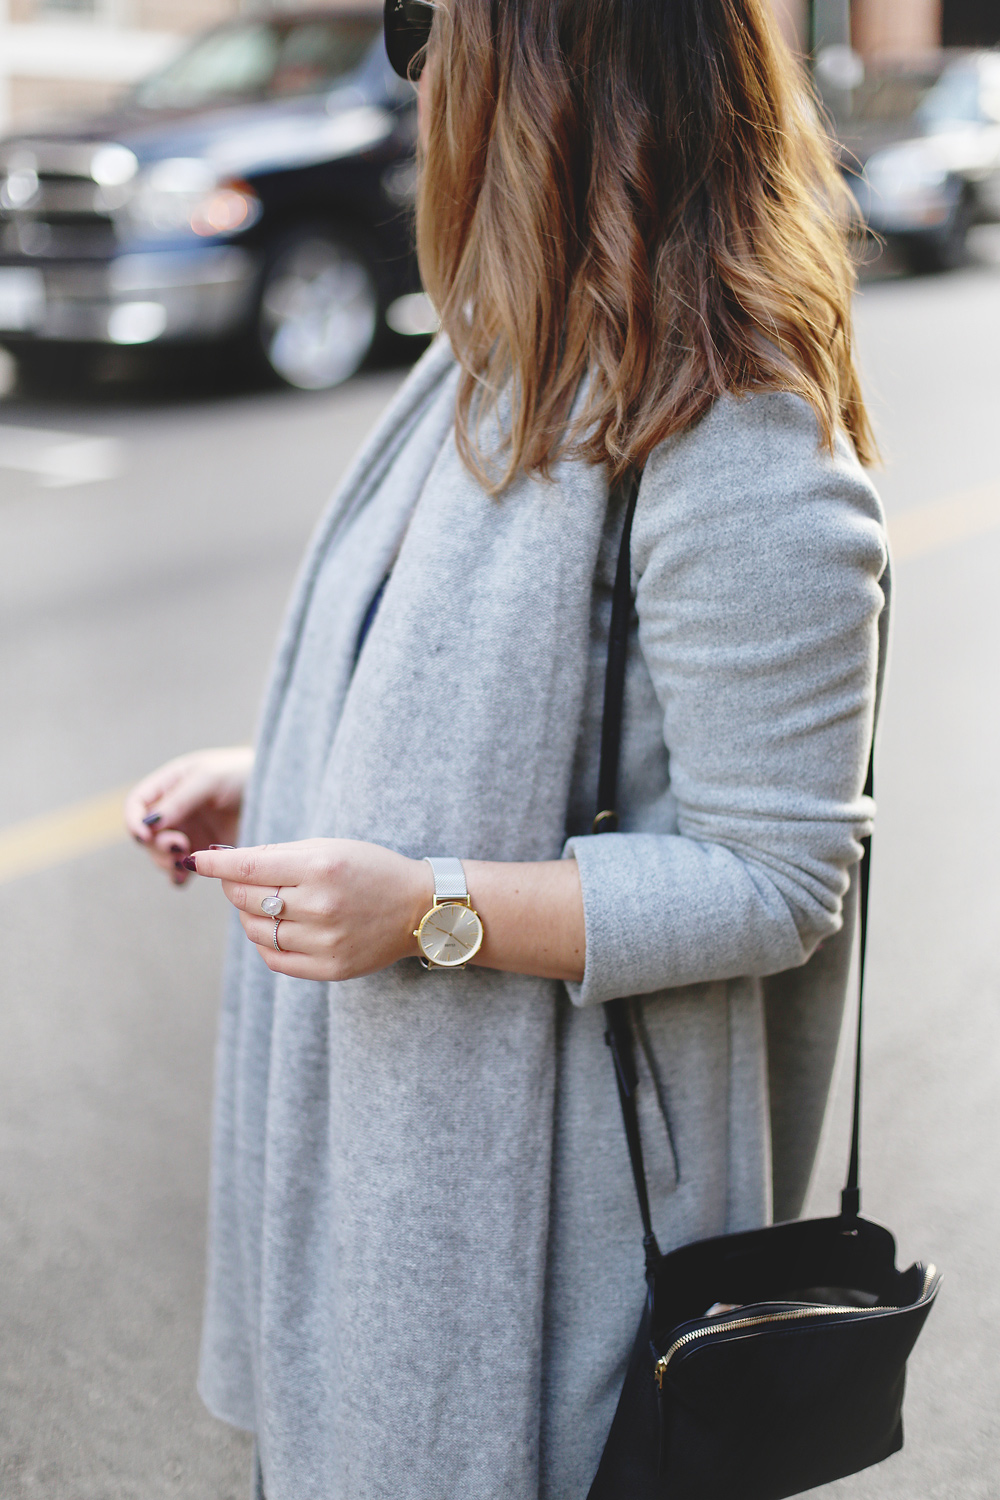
(425, 1266)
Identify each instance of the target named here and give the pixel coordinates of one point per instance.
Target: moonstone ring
(273, 905)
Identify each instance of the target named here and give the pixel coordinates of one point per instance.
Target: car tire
(44, 367)
(943, 249)
(318, 311)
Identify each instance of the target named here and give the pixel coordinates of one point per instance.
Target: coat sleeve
(756, 558)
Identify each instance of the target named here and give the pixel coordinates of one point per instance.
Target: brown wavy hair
(635, 192)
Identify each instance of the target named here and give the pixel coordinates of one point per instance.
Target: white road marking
(60, 459)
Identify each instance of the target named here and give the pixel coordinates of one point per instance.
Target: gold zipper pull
(661, 1370)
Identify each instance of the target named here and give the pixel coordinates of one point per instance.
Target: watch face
(450, 935)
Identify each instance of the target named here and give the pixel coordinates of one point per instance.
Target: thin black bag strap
(606, 820)
(619, 1038)
(618, 1035)
(850, 1198)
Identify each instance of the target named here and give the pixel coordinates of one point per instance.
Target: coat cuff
(618, 936)
(663, 910)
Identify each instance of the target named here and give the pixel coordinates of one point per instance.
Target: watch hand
(454, 942)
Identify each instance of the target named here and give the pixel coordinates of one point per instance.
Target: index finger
(260, 864)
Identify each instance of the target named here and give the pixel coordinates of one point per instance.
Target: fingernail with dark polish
(187, 863)
(151, 819)
(222, 846)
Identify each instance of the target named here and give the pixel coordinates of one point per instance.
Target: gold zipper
(788, 1316)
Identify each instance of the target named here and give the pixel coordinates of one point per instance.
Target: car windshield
(261, 60)
(954, 100)
(887, 97)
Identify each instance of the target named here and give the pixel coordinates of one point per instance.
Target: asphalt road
(143, 576)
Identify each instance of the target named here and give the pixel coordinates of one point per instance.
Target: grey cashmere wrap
(425, 1266)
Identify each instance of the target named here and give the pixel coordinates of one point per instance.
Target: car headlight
(18, 187)
(183, 195)
(905, 171)
(113, 165)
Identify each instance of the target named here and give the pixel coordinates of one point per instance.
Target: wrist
(418, 901)
(241, 759)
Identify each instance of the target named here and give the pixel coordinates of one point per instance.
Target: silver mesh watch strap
(449, 878)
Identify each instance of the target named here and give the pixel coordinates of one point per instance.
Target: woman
(425, 1271)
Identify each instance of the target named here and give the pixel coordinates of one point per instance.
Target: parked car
(255, 192)
(921, 149)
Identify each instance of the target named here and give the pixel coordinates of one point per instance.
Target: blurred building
(61, 55)
(892, 29)
(58, 55)
(896, 28)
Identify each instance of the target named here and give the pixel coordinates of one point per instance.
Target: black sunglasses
(407, 26)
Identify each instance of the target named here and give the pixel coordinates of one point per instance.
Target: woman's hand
(187, 804)
(350, 907)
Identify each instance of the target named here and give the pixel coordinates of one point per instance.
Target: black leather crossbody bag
(800, 1379)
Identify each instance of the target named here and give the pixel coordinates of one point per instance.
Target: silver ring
(274, 935)
(273, 905)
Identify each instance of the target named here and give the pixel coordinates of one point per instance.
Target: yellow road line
(956, 518)
(38, 843)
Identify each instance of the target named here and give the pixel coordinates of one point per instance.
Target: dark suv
(254, 192)
(921, 152)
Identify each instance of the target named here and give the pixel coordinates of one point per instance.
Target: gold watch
(452, 931)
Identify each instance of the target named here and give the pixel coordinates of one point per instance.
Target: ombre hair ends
(627, 208)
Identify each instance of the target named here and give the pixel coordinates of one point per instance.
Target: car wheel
(318, 311)
(944, 249)
(43, 367)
